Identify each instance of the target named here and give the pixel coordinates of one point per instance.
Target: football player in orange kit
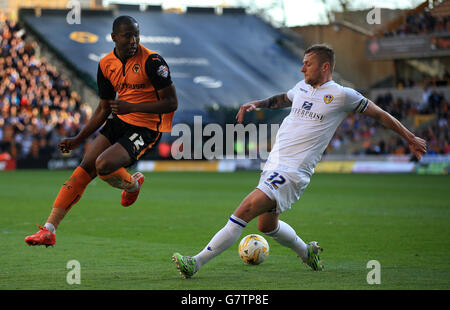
(143, 110)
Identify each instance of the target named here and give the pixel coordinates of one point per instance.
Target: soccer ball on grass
(253, 249)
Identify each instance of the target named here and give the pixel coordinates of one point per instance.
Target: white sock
(286, 235)
(221, 241)
(50, 227)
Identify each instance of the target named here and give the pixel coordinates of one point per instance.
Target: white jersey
(306, 132)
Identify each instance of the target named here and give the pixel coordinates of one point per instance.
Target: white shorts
(283, 187)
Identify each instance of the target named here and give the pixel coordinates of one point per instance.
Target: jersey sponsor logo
(303, 90)
(307, 105)
(131, 86)
(136, 68)
(306, 114)
(328, 99)
(163, 71)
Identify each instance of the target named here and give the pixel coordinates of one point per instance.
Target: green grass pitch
(402, 221)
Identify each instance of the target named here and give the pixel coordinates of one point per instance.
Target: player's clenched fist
(121, 107)
(418, 147)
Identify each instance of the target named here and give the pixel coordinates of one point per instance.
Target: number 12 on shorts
(276, 179)
(137, 140)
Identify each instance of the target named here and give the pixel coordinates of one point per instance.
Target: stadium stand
(209, 78)
(241, 61)
(423, 21)
(217, 62)
(214, 59)
(419, 42)
(37, 104)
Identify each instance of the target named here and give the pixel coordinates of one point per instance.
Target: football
(253, 249)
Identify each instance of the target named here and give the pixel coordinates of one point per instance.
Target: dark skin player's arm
(167, 103)
(99, 116)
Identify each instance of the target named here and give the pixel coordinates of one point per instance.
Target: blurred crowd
(421, 23)
(37, 105)
(443, 81)
(369, 137)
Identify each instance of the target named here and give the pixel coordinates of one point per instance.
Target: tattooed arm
(275, 102)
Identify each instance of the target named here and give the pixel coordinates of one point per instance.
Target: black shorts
(136, 140)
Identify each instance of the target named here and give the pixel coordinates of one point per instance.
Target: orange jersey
(137, 80)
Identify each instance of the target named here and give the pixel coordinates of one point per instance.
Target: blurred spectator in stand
(37, 105)
(421, 23)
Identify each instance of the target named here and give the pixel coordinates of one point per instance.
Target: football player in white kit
(318, 106)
